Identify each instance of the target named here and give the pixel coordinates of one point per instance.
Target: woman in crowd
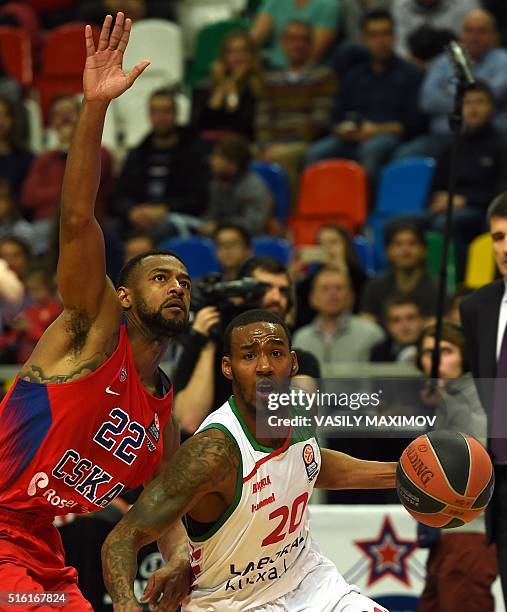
(226, 102)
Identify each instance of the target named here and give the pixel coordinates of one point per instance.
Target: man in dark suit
(484, 319)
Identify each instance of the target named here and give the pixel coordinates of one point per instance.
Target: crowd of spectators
(366, 80)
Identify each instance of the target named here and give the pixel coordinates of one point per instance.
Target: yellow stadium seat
(480, 268)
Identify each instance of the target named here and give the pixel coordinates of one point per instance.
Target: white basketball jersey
(258, 550)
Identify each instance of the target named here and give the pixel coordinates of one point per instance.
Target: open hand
(103, 78)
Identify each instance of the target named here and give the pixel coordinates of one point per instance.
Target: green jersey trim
(299, 434)
(237, 495)
(253, 442)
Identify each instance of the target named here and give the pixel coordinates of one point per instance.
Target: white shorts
(321, 590)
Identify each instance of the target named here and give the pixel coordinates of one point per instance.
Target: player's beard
(157, 324)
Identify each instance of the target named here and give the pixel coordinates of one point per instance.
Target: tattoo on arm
(35, 373)
(202, 465)
(119, 563)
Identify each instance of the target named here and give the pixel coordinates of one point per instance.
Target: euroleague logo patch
(312, 469)
(154, 431)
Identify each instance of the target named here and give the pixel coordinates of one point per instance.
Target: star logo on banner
(387, 554)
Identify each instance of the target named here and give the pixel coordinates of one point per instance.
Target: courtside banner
(374, 547)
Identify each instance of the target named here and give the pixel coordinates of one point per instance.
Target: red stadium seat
(63, 60)
(24, 17)
(333, 191)
(16, 54)
(332, 186)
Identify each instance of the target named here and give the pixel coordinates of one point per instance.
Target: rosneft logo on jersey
(40, 480)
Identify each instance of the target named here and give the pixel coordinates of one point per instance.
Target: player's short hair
(498, 207)
(126, 274)
(256, 315)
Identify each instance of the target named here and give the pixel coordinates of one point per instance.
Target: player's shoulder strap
(221, 416)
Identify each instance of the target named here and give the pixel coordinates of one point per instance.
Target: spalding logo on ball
(445, 479)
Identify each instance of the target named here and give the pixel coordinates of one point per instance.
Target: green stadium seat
(435, 243)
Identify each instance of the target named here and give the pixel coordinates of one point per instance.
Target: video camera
(231, 298)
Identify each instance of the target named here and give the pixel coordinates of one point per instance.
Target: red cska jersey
(73, 447)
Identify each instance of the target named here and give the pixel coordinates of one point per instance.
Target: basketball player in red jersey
(90, 411)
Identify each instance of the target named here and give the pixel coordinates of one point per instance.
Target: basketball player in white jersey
(244, 500)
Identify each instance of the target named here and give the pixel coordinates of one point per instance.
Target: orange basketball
(445, 479)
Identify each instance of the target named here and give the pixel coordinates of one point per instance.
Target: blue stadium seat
(403, 190)
(197, 252)
(276, 179)
(365, 253)
(278, 248)
(404, 186)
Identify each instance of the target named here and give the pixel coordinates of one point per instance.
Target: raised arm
(341, 471)
(206, 463)
(82, 250)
